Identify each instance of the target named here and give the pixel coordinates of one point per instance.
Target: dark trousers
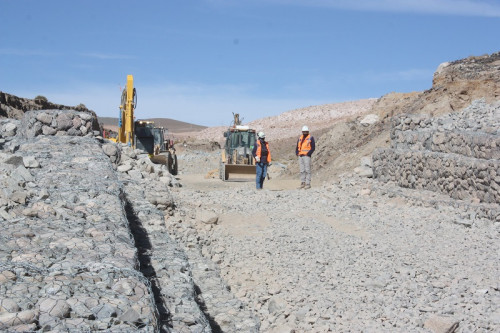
(261, 172)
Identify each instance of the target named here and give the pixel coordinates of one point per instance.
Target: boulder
(44, 118)
(64, 122)
(364, 171)
(369, 120)
(9, 129)
(207, 217)
(30, 162)
(438, 324)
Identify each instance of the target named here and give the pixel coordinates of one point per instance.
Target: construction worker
(262, 156)
(304, 149)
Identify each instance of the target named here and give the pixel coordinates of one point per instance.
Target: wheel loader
(237, 162)
(155, 142)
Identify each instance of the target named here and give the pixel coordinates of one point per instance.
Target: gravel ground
(348, 256)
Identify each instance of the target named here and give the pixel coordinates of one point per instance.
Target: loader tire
(172, 164)
(222, 170)
(175, 168)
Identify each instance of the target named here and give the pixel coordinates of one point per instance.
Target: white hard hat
(305, 129)
(261, 135)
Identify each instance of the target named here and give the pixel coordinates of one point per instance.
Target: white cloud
(484, 8)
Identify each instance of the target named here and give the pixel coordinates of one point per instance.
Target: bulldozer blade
(239, 172)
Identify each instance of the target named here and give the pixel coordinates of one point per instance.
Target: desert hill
(174, 126)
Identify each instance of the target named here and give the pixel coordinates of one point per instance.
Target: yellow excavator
(143, 134)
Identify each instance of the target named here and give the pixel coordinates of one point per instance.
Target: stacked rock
(457, 154)
(68, 260)
(59, 122)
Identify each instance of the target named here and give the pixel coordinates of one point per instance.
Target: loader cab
(237, 138)
(144, 136)
(237, 162)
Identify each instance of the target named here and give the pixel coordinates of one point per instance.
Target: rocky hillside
(455, 86)
(14, 107)
(346, 132)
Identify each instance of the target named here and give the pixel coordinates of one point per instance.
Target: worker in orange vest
(304, 149)
(262, 156)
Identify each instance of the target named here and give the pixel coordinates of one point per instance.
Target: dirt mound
(175, 127)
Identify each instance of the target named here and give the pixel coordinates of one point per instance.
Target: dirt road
(346, 255)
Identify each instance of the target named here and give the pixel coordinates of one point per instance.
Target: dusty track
(347, 255)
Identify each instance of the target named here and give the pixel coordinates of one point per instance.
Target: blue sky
(200, 60)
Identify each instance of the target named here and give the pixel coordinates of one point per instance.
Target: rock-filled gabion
(162, 261)
(68, 260)
(59, 122)
(457, 154)
(85, 249)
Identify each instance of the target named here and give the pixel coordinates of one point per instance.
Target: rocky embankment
(457, 154)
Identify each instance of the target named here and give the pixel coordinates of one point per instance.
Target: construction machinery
(143, 134)
(155, 141)
(237, 162)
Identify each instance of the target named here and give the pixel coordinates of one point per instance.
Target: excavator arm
(126, 122)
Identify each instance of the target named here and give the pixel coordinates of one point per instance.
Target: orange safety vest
(259, 151)
(304, 145)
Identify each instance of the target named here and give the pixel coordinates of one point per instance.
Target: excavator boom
(128, 103)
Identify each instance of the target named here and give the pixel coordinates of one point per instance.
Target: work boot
(302, 185)
(308, 186)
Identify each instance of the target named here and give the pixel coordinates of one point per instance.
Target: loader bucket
(239, 172)
(159, 159)
(170, 160)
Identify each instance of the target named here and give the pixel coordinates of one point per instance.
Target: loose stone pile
(59, 122)
(457, 154)
(162, 261)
